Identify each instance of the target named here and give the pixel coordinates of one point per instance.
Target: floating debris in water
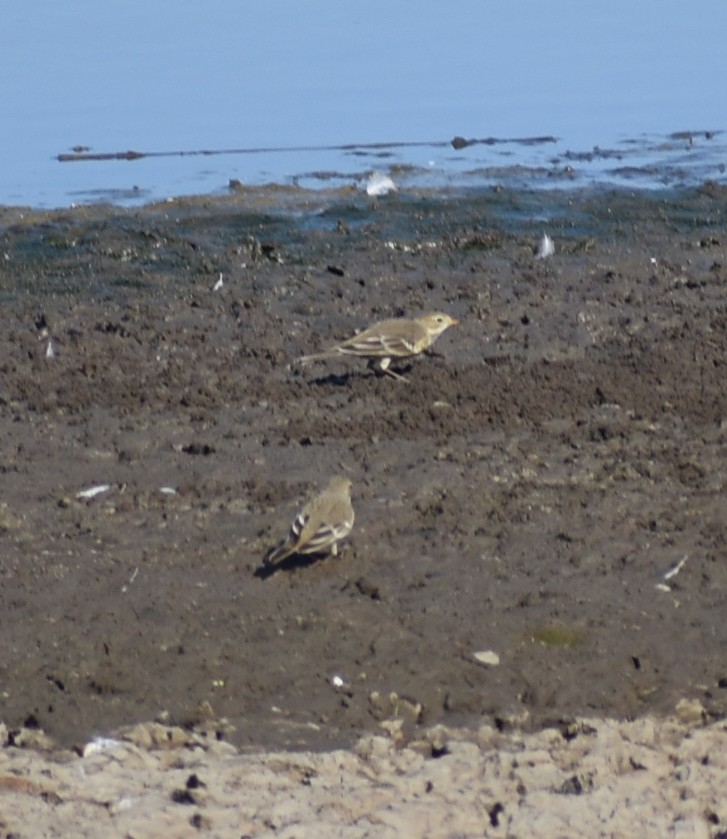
(218, 285)
(49, 351)
(378, 184)
(92, 492)
(546, 247)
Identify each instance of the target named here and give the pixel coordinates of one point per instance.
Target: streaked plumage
(389, 339)
(320, 525)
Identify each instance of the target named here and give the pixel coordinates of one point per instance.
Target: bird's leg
(384, 367)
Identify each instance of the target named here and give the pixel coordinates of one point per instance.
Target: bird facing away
(320, 525)
(388, 339)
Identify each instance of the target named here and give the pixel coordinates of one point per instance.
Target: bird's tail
(318, 356)
(278, 554)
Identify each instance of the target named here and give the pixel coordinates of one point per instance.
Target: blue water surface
(643, 83)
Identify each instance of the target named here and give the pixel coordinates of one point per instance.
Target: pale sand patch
(600, 778)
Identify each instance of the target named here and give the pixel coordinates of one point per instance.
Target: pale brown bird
(320, 525)
(388, 339)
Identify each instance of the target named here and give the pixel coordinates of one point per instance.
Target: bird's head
(436, 322)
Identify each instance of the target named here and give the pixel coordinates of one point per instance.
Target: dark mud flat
(527, 492)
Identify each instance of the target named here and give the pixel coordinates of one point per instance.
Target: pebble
(487, 657)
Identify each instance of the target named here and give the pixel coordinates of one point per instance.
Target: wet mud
(548, 486)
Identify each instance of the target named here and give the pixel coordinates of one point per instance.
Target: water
(641, 82)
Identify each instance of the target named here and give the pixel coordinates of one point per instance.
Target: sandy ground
(548, 487)
(595, 778)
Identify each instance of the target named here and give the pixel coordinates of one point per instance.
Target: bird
(320, 525)
(388, 339)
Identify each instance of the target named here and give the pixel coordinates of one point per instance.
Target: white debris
(122, 804)
(546, 247)
(337, 681)
(378, 184)
(487, 657)
(395, 246)
(167, 490)
(125, 588)
(99, 745)
(672, 572)
(49, 351)
(92, 492)
(218, 285)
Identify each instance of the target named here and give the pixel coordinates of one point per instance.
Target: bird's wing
(319, 529)
(387, 340)
(292, 542)
(325, 535)
(318, 526)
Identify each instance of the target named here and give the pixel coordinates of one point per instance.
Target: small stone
(402, 706)
(488, 737)
(154, 735)
(438, 738)
(373, 746)
(31, 738)
(395, 731)
(200, 822)
(487, 657)
(205, 711)
(690, 711)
